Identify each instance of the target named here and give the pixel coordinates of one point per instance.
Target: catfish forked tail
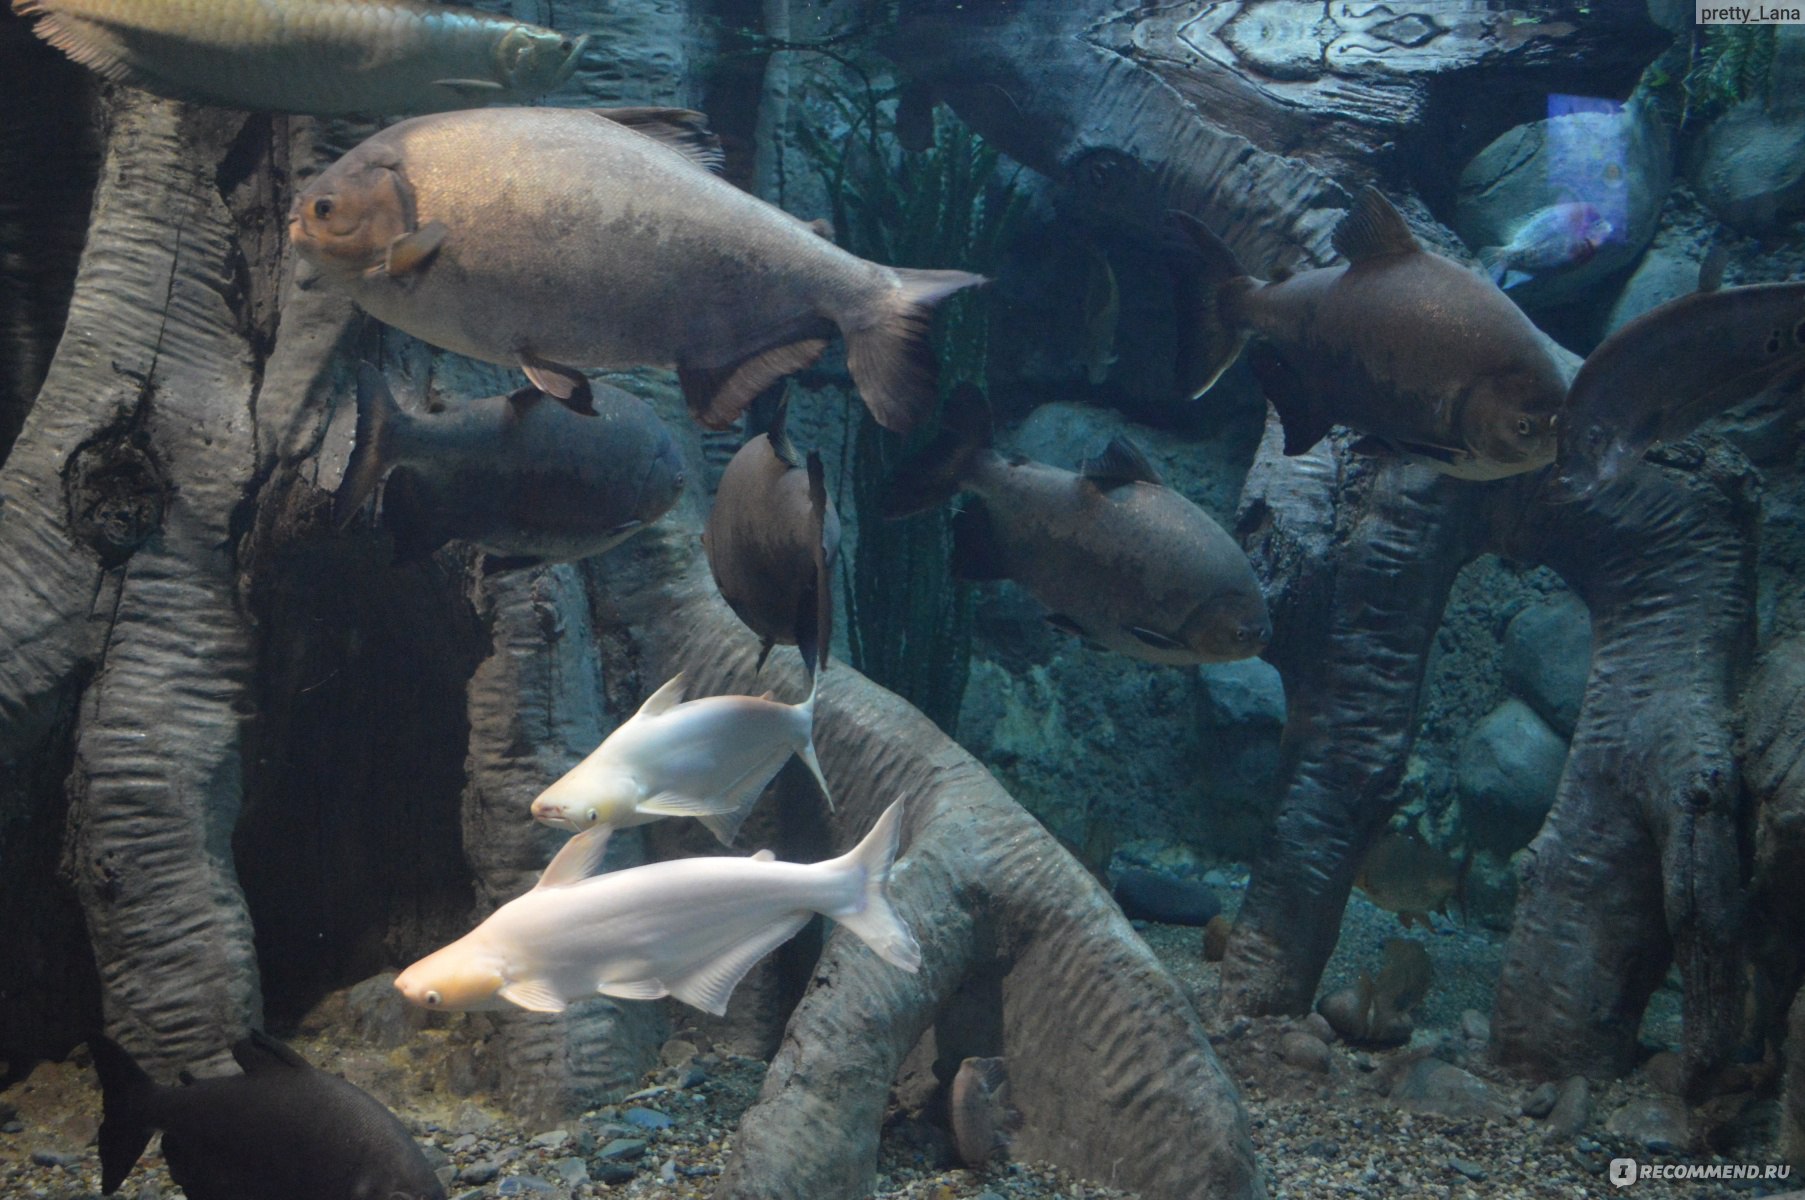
(874, 921)
(888, 351)
(377, 416)
(126, 1121)
(938, 472)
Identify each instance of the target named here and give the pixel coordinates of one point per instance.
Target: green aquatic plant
(1729, 64)
(950, 205)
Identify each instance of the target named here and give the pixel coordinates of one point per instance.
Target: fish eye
(593, 816)
(1525, 426)
(1241, 635)
(433, 999)
(566, 46)
(322, 208)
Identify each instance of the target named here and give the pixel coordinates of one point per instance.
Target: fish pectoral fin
(634, 989)
(1065, 624)
(1442, 454)
(1122, 462)
(708, 985)
(577, 859)
(676, 804)
(259, 1052)
(664, 699)
(1154, 638)
(717, 395)
(683, 130)
(534, 995)
(625, 528)
(1373, 446)
(567, 385)
(412, 251)
(470, 89)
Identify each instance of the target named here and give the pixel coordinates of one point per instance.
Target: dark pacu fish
(772, 539)
(520, 476)
(281, 1131)
(1674, 367)
(1117, 556)
(979, 1110)
(1411, 348)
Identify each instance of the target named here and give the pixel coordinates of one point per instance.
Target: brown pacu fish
(1405, 875)
(1117, 556)
(556, 239)
(523, 478)
(1674, 367)
(772, 538)
(979, 1112)
(1418, 352)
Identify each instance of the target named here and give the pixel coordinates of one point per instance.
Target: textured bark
(1639, 860)
(1102, 1045)
(1791, 1143)
(1363, 557)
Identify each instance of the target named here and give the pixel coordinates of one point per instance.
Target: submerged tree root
(1101, 1043)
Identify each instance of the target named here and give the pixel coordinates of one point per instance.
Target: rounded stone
(1304, 1051)
(1548, 657)
(1749, 170)
(1509, 768)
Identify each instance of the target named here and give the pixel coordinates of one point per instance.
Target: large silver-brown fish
(557, 239)
(1413, 349)
(771, 540)
(1672, 368)
(1117, 557)
(523, 478)
(310, 56)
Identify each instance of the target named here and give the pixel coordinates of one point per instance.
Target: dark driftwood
(1102, 1045)
(1639, 859)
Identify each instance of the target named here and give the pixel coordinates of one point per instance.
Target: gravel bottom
(1323, 1131)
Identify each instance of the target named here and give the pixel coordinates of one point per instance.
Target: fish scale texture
(994, 901)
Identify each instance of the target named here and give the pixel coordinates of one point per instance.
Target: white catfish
(709, 759)
(689, 928)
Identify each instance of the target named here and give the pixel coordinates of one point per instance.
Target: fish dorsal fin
(577, 859)
(779, 436)
(664, 699)
(765, 856)
(1373, 228)
(1711, 271)
(708, 985)
(258, 1052)
(1122, 462)
(683, 130)
(534, 995)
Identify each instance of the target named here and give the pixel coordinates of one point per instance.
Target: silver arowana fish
(1117, 557)
(1420, 353)
(771, 539)
(283, 1130)
(557, 239)
(689, 928)
(1672, 368)
(310, 56)
(708, 758)
(521, 477)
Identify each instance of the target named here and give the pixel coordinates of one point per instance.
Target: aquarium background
(262, 764)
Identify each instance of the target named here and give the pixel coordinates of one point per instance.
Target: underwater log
(998, 908)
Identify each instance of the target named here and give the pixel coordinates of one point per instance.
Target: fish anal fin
(634, 989)
(412, 251)
(1122, 462)
(577, 858)
(664, 699)
(567, 385)
(1303, 421)
(258, 1051)
(778, 436)
(717, 395)
(737, 798)
(683, 130)
(709, 985)
(534, 995)
(1373, 228)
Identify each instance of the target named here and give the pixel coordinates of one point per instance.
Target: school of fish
(557, 240)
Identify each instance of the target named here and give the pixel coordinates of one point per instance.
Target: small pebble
(13, 1126)
(668, 1172)
(479, 1172)
(571, 1170)
(612, 1172)
(1462, 1167)
(648, 1118)
(551, 1139)
(524, 1185)
(623, 1149)
(53, 1158)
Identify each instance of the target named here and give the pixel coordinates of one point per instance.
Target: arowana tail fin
(875, 922)
(126, 1101)
(888, 352)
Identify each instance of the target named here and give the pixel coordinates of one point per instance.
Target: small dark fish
(523, 478)
(1118, 557)
(1405, 875)
(772, 539)
(1558, 236)
(979, 1110)
(1411, 348)
(1674, 367)
(283, 1130)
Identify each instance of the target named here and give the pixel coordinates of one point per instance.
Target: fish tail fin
(936, 474)
(377, 415)
(875, 922)
(806, 751)
(888, 352)
(1212, 340)
(126, 1121)
(1492, 259)
(815, 609)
